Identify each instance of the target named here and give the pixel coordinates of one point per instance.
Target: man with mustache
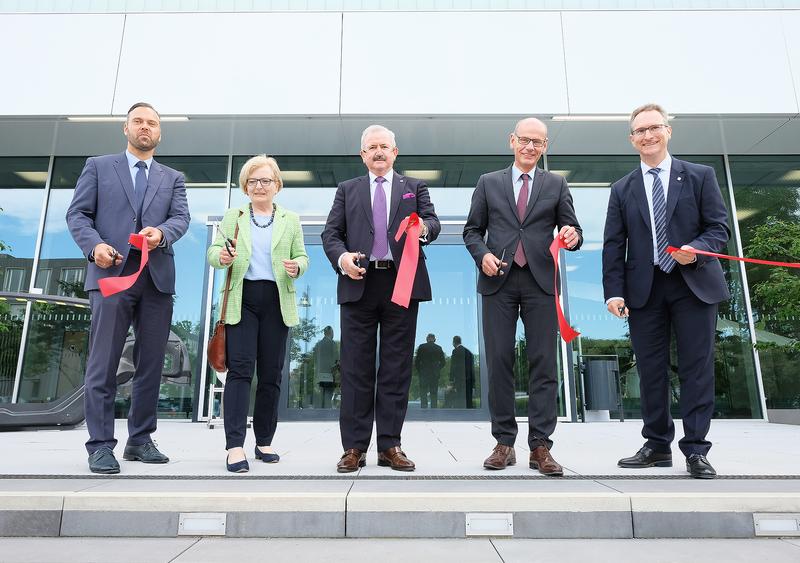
(359, 240)
(117, 195)
(667, 202)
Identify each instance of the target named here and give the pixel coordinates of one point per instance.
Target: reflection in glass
(767, 191)
(604, 335)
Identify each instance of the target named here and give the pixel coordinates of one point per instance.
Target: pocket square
(409, 196)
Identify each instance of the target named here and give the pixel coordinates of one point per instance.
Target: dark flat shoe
(238, 467)
(146, 453)
(267, 458)
(103, 461)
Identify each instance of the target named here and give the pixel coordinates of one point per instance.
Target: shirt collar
(516, 173)
(132, 160)
(664, 165)
(389, 176)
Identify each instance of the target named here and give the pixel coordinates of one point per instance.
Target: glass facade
(451, 387)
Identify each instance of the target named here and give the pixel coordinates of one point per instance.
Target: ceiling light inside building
(742, 214)
(32, 177)
(432, 176)
(297, 176)
(791, 176)
(564, 173)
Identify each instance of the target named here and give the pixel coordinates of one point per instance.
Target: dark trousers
(150, 312)
(257, 342)
(428, 389)
(521, 296)
(672, 305)
(366, 397)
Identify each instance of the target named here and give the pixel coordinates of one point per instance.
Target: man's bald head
(530, 121)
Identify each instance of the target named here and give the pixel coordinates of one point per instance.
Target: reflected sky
(20, 219)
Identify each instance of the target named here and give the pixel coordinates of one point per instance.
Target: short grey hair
(649, 107)
(377, 129)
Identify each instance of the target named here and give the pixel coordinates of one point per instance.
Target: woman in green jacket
(265, 259)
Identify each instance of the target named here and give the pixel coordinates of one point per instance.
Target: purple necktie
(522, 205)
(380, 244)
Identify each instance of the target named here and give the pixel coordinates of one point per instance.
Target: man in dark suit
(429, 363)
(359, 241)
(462, 378)
(520, 206)
(660, 292)
(117, 195)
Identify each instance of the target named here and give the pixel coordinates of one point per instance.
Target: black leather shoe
(146, 453)
(646, 457)
(698, 467)
(267, 458)
(103, 461)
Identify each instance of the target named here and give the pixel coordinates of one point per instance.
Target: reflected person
(326, 359)
(517, 209)
(429, 363)
(266, 258)
(117, 195)
(462, 376)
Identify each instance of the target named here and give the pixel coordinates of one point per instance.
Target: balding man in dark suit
(520, 207)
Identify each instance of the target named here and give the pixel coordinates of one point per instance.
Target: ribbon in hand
(671, 249)
(114, 284)
(567, 332)
(411, 227)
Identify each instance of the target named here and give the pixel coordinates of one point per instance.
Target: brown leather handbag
(216, 344)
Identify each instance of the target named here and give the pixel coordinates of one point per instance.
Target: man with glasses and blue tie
(359, 241)
(117, 195)
(508, 232)
(667, 202)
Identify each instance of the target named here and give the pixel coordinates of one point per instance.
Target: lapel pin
(679, 178)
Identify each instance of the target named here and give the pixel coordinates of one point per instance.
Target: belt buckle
(382, 264)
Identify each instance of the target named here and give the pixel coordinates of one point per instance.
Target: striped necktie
(665, 261)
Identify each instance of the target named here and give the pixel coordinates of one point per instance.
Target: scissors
(228, 241)
(500, 271)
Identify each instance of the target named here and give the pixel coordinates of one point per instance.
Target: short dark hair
(142, 105)
(649, 107)
(457, 339)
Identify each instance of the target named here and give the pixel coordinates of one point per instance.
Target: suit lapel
(278, 227)
(398, 187)
(637, 187)
(121, 166)
(153, 182)
(508, 189)
(366, 200)
(676, 176)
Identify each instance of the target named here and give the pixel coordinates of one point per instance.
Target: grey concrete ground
(438, 448)
(91, 550)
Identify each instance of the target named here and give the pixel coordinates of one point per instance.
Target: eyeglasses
(653, 130)
(266, 182)
(525, 141)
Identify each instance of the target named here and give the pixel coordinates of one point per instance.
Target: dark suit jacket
(696, 215)
(349, 228)
(103, 209)
(494, 209)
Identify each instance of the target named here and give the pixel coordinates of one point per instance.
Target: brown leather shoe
(502, 456)
(544, 462)
(396, 459)
(351, 460)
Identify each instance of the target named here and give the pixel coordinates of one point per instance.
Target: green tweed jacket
(287, 243)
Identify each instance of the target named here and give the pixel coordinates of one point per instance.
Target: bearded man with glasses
(667, 202)
(520, 207)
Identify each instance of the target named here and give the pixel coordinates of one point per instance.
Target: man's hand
(350, 266)
(153, 237)
(569, 235)
(685, 255)
(228, 254)
(491, 264)
(106, 256)
(292, 268)
(617, 308)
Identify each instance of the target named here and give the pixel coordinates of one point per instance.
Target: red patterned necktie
(522, 206)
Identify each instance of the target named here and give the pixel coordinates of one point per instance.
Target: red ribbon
(672, 249)
(115, 284)
(404, 283)
(567, 332)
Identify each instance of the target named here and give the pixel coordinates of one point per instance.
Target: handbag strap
(228, 279)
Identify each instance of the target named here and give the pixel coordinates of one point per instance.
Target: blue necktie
(140, 186)
(665, 261)
(380, 244)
